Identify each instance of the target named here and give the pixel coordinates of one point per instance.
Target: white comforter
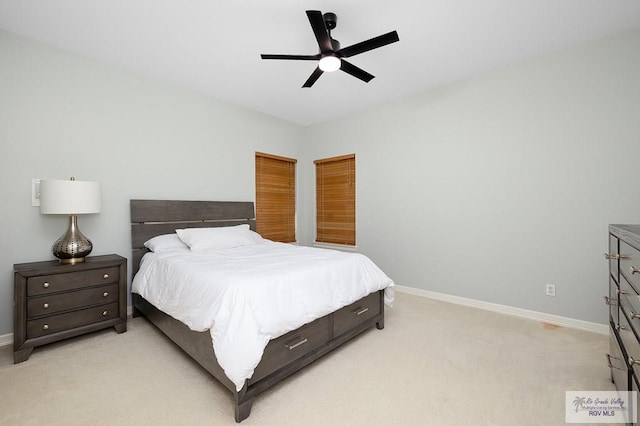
(249, 295)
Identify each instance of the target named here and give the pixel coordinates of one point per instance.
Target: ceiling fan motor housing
(330, 20)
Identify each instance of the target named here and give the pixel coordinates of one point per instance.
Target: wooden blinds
(276, 197)
(336, 200)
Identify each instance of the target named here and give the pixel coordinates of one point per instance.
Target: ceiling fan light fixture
(329, 63)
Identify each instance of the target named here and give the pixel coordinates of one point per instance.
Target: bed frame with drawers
(282, 356)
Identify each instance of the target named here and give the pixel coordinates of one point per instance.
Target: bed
(284, 354)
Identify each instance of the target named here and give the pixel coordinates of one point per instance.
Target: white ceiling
(214, 46)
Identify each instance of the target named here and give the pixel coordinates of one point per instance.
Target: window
(276, 197)
(336, 200)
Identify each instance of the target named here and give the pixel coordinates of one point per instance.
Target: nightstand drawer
(358, 312)
(71, 280)
(51, 304)
(61, 322)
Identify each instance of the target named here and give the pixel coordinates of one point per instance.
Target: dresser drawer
(630, 265)
(630, 302)
(292, 346)
(46, 284)
(613, 300)
(629, 342)
(360, 311)
(55, 323)
(51, 304)
(620, 373)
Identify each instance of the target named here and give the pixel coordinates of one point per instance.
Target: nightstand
(53, 302)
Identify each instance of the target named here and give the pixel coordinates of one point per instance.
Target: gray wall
(62, 115)
(495, 186)
(487, 189)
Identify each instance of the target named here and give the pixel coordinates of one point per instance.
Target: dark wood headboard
(150, 218)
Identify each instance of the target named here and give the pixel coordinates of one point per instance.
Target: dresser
(53, 301)
(624, 306)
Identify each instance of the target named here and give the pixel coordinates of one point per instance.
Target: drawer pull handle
(105, 276)
(622, 292)
(361, 311)
(633, 315)
(634, 270)
(607, 301)
(619, 327)
(45, 306)
(105, 313)
(632, 361)
(45, 327)
(105, 294)
(45, 285)
(615, 256)
(610, 364)
(295, 345)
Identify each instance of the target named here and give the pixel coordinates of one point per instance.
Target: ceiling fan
(331, 56)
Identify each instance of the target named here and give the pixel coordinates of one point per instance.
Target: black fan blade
(365, 46)
(293, 57)
(320, 30)
(355, 71)
(315, 75)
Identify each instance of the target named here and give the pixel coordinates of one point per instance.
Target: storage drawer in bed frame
(291, 346)
(356, 313)
(295, 344)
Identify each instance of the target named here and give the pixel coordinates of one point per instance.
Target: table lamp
(72, 197)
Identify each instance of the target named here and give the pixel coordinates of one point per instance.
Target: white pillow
(257, 238)
(216, 238)
(165, 242)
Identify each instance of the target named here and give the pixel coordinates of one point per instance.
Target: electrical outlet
(551, 289)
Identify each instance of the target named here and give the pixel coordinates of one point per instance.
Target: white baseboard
(6, 339)
(509, 310)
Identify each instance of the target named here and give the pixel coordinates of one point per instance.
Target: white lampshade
(69, 197)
